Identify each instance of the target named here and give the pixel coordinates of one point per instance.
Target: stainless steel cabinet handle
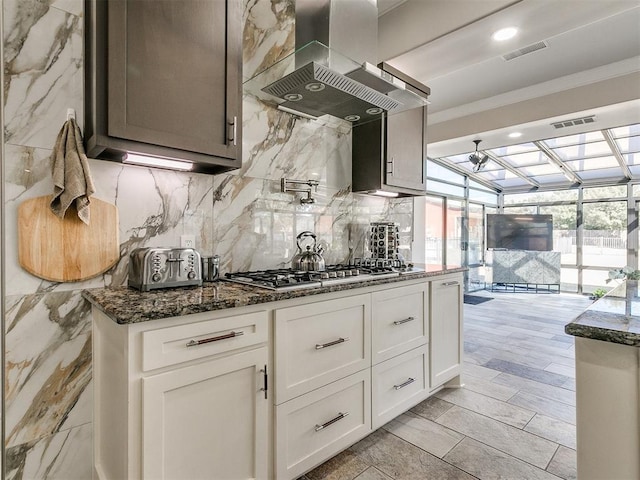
(265, 375)
(400, 322)
(320, 346)
(392, 163)
(402, 385)
(332, 421)
(193, 343)
(450, 284)
(233, 125)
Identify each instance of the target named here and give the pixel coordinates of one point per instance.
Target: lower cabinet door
(207, 420)
(446, 329)
(313, 427)
(398, 384)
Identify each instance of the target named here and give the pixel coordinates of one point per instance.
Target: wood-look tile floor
(515, 417)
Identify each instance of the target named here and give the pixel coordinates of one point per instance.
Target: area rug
(475, 300)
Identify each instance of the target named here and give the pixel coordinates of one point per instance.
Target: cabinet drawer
(168, 346)
(399, 384)
(319, 343)
(315, 426)
(400, 320)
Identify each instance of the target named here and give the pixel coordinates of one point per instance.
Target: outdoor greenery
(624, 273)
(597, 216)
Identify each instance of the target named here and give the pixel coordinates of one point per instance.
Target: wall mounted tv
(520, 232)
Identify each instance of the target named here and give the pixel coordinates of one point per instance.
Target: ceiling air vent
(524, 51)
(574, 121)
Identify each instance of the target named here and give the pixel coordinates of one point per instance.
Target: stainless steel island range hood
(332, 70)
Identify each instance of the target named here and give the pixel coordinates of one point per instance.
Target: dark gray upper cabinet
(164, 78)
(389, 154)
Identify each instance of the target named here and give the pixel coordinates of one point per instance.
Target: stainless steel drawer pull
(320, 346)
(332, 421)
(450, 284)
(402, 385)
(193, 343)
(400, 322)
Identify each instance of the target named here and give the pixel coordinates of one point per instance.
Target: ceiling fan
(478, 160)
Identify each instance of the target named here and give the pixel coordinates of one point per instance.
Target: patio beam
(444, 162)
(616, 153)
(512, 169)
(557, 161)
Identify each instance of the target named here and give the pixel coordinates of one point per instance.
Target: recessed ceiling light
(515, 135)
(504, 34)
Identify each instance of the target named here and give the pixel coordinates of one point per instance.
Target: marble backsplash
(241, 216)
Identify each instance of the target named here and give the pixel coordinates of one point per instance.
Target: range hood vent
(340, 95)
(337, 79)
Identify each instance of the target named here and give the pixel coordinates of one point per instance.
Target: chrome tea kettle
(309, 260)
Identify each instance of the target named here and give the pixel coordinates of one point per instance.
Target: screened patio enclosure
(589, 182)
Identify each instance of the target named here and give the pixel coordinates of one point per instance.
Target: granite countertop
(126, 305)
(614, 318)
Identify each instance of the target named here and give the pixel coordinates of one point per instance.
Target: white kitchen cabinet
(320, 342)
(182, 397)
(400, 320)
(315, 426)
(162, 347)
(446, 329)
(208, 420)
(399, 384)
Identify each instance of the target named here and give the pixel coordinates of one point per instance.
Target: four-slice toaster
(156, 267)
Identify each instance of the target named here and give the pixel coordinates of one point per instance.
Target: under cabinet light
(382, 193)
(146, 161)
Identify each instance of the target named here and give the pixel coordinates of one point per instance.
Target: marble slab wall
(241, 216)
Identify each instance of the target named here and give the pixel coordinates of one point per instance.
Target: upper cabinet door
(406, 149)
(164, 78)
(171, 77)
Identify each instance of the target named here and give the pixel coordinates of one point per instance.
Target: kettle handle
(301, 235)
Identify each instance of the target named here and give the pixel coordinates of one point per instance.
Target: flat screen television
(520, 232)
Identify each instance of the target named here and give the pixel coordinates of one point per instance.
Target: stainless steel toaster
(154, 267)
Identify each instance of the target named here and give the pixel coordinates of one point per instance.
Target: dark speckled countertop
(614, 318)
(126, 305)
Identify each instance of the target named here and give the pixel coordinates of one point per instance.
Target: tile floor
(515, 418)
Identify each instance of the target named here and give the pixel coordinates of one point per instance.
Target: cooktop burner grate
(289, 279)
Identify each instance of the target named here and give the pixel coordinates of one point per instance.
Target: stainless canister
(211, 268)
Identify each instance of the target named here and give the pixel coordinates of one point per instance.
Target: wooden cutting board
(67, 250)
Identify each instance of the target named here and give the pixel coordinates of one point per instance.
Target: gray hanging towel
(72, 182)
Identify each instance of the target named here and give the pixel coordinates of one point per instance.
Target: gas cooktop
(289, 279)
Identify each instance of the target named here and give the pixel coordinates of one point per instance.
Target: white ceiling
(591, 65)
